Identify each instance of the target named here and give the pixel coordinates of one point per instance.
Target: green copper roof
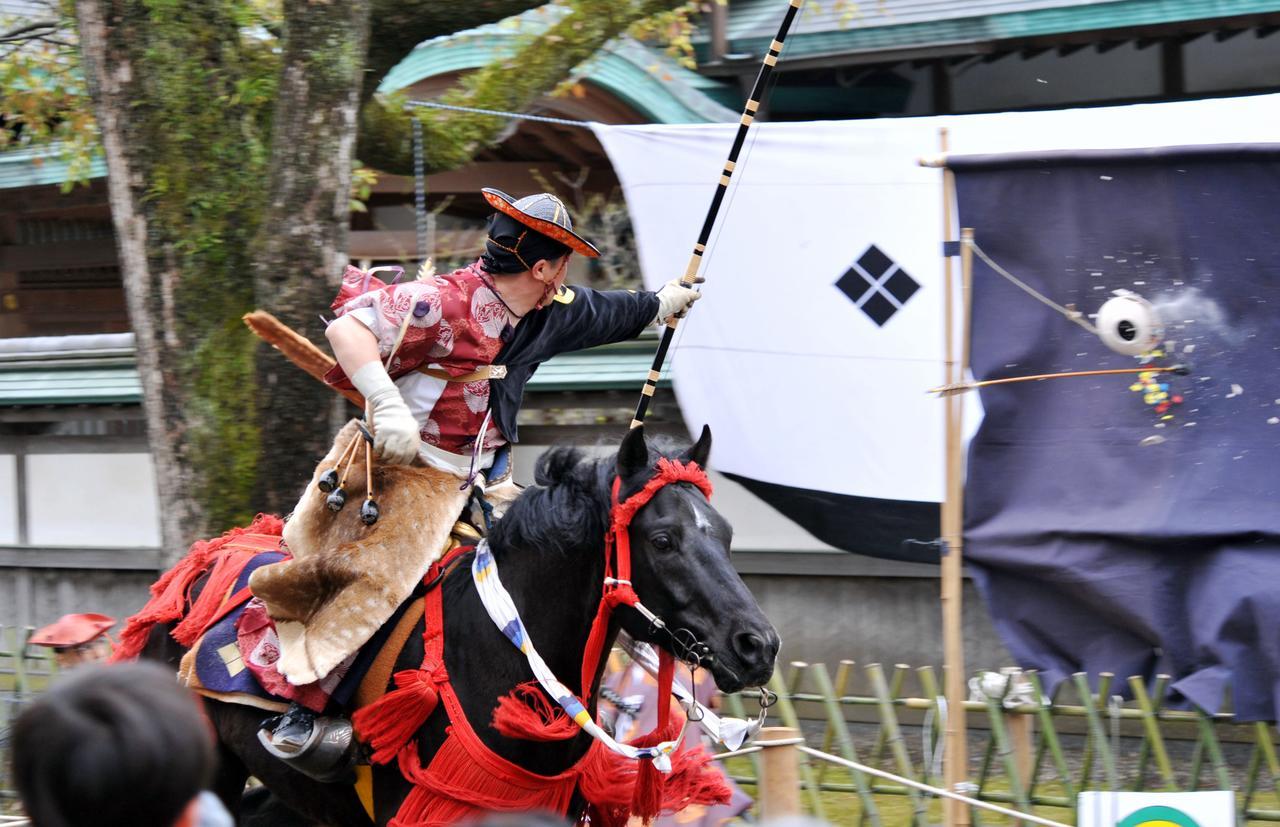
(845, 28)
(653, 84)
(70, 386)
(614, 367)
(41, 165)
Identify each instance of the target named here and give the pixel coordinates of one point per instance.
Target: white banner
(804, 383)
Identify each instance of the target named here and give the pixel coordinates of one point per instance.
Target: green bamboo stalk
(889, 726)
(1210, 739)
(881, 735)
(1268, 747)
(1153, 737)
(840, 730)
(841, 683)
(929, 685)
(1251, 778)
(1097, 732)
(1144, 749)
(1000, 737)
(1049, 734)
(19, 650)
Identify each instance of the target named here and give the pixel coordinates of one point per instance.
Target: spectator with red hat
(76, 638)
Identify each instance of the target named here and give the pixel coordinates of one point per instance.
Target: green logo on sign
(1158, 817)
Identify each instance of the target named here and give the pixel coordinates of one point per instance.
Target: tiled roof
(833, 28)
(39, 166)
(80, 370)
(648, 81)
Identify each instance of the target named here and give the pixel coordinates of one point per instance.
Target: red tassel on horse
(646, 801)
(388, 723)
(528, 714)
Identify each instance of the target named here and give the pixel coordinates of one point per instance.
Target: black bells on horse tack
(335, 486)
(369, 511)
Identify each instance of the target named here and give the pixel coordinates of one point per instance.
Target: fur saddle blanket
(346, 579)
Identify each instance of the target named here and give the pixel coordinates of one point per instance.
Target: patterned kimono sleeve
(384, 311)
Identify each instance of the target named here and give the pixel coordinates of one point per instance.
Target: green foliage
(511, 84)
(42, 98)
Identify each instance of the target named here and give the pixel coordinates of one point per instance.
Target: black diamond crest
(877, 285)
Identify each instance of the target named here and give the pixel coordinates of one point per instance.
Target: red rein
(617, 546)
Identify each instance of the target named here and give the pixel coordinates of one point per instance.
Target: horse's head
(681, 571)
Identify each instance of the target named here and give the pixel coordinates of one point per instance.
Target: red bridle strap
(617, 551)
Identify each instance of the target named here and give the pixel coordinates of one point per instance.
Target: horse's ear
(700, 451)
(633, 454)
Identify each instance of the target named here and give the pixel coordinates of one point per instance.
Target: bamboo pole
(780, 779)
(956, 771)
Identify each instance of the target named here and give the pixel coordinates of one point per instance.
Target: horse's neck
(557, 596)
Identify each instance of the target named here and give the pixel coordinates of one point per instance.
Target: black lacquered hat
(546, 214)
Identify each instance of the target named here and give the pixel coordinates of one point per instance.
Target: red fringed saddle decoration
(223, 557)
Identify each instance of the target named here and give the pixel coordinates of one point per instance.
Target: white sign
(1206, 809)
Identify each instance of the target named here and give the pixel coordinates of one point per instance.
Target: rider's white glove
(674, 299)
(395, 431)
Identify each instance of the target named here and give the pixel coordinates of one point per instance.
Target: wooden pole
(956, 758)
(779, 772)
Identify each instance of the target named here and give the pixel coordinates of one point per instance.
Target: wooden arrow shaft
(964, 386)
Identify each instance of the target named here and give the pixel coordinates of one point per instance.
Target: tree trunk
(183, 188)
(110, 71)
(300, 250)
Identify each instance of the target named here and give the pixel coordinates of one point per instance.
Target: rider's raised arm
(354, 344)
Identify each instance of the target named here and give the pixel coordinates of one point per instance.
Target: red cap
(72, 630)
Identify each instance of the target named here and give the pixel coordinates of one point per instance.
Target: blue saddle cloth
(220, 669)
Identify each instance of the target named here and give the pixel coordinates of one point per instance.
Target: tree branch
(511, 85)
(399, 26)
(30, 31)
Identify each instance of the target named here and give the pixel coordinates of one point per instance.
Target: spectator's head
(114, 746)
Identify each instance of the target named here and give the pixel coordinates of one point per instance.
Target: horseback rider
(442, 362)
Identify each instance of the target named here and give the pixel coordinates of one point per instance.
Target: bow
(758, 95)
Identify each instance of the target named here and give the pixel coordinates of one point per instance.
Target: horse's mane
(567, 507)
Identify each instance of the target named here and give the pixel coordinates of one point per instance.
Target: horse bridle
(619, 591)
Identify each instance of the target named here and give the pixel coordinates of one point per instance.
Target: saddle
(346, 579)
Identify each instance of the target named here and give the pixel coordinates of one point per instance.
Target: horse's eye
(662, 542)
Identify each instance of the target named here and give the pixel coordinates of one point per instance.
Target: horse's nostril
(750, 646)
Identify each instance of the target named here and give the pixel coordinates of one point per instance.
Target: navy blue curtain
(1105, 534)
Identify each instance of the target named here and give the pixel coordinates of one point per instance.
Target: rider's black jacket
(582, 318)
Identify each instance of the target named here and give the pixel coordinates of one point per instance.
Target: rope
(1073, 316)
(888, 776)
(515, 116)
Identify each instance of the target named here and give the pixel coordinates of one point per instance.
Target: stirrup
(328, 754)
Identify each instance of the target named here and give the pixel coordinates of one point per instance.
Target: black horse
(549, 548)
